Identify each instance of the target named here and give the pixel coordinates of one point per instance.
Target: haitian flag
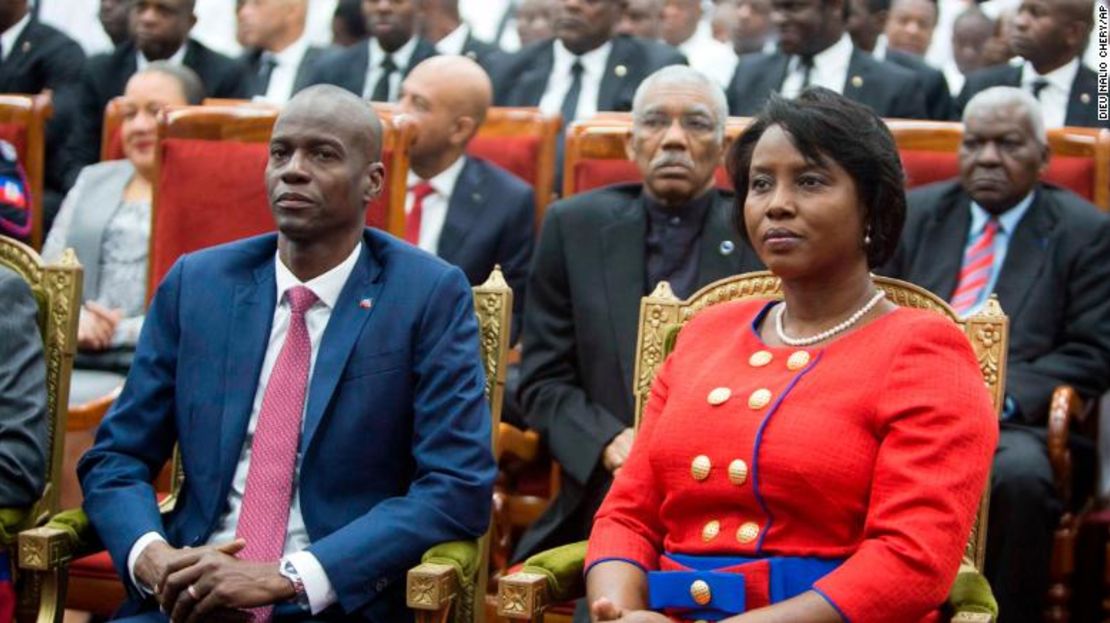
(15, 202)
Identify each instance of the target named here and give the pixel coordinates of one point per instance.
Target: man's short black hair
(825, 125)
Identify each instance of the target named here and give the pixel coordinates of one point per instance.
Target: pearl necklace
(824, 335)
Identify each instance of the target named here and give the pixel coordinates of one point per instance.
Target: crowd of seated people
(265, 363)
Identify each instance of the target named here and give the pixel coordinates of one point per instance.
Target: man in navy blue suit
(467, 211)
(325, 390)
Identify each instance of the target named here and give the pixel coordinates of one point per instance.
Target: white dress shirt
(485, 17)
(11, 35)
(284, 73)
(374, 72)
(178, 58)
(714, 59)
(954, 77)
(830, 69)
(327, 288)
(433, 212)
(882, 44)
(1054, 97)
(454, 42)
(558, 83)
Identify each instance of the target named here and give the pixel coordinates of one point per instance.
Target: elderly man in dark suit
(598, 254)
(1043, 251)
(23, 413)
(375, 68)
(866, 20)
(815, 49)
(35, 57)
(279, 57)
(161, 33)
(1051, 36)
(467, 211)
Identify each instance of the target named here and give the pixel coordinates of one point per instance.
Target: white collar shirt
(11, 35)
(558, 83)
(401, 58)
(177, 58)
(284, 74)
(454, 42)
(881, 46)
(714, 59)
(433, 211)
(1055, 95)
(830, 69)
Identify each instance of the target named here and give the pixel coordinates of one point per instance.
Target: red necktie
(269, 492)
(976, 270)
(420, 192)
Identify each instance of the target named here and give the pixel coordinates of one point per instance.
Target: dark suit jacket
(22, 394)
(45, 58)
(938, 97)
(1082, 102)
(105, 76)
(347, 67)
(1054, 286)
(480, 51)
(889, 90)
(252, 59)
(579, 340)
(490, 221)
(520, 79)
(395, 449)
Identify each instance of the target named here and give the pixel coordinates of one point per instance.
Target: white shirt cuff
(317, 586)
(133, 557)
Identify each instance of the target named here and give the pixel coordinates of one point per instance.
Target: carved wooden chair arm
(548, 577)
(1064, 411)
(447, 575)
(522, 444)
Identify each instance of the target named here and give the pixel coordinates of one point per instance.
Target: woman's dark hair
(824, 125)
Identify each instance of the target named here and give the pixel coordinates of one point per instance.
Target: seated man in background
(910, 25)
(814, 48)
(1043, 250)
(641, 18)
(23, 413)
(684, 28)
(1051, 36)
(278, 54)
(441, 24)
(599, 253)
(325, 391)
(866, 21)
(971, 32)
(160, 33)
(467, 211)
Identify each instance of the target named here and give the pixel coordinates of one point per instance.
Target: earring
(867, 237)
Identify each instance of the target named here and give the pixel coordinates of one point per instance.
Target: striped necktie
(976, 270)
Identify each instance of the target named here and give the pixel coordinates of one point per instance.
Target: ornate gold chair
(556, 575)
(447, 580)
(57, 290)
(450, 582)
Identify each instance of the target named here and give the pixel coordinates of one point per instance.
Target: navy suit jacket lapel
(531, 84)
(612, 82)
(859, 73)
(944, 246)
(464, 212)
(343, 330)
(713, 263)
(623, 259)
(1025, 257)
(252, 317)
(1081, 109)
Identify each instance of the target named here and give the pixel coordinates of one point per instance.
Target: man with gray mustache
(599, 252)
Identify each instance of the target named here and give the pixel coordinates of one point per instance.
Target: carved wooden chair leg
(430, 591)
(522, 597)
(44, 556)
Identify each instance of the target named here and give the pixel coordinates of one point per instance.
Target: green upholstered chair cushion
(563, 567)
(972, 593)
(12, 520)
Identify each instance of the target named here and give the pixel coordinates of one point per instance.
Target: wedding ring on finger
(193, 592)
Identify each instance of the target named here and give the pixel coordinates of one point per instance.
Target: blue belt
(789, 577)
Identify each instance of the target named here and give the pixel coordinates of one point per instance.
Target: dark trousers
(1024, 513)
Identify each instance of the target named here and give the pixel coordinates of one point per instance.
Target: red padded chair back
(522, 141)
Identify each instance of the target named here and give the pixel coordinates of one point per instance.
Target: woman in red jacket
(815, 460)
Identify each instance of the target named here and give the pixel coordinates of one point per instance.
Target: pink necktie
(978, 264)
(269, 492)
